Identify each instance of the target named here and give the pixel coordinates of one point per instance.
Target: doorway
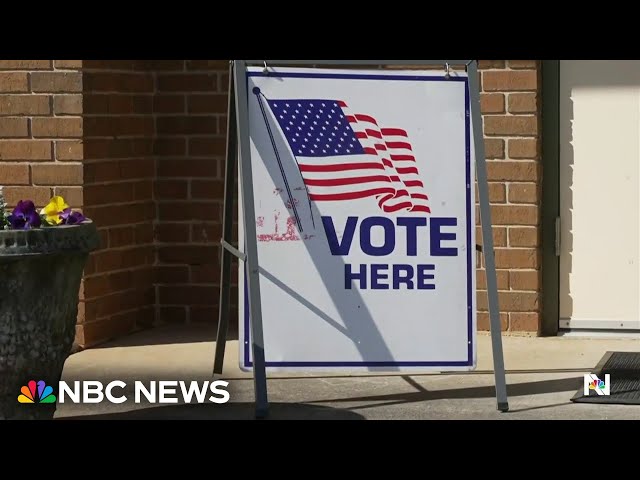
(598, 229)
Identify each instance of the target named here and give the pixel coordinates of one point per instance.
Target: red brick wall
(40, 125)
(190, 112)
(119, 171)
(511, 110)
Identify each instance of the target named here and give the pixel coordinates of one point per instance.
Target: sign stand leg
(487, 240)
(251, 244)
(237, 135)
(227, 224)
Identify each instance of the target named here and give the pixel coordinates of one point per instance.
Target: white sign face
(365, 215)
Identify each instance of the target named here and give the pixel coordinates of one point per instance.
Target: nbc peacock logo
(38, 392)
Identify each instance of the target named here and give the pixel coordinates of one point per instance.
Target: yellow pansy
(53, 210)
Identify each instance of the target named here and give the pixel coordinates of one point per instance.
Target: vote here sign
(364, 210)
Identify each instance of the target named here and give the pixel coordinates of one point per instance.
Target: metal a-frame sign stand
(238, 147)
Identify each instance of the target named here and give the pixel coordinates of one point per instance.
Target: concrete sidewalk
(542, 374)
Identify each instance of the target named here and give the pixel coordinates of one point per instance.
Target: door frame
(550, 197)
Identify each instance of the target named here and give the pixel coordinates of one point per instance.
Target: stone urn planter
(40, 274)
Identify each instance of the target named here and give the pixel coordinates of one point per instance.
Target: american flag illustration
(344, 155)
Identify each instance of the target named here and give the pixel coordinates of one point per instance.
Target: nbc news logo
(592, 384)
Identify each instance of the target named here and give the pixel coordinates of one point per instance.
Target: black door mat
(624, 380)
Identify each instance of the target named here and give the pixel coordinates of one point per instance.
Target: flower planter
(40, 274)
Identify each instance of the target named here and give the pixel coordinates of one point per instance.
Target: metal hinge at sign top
(557, 237)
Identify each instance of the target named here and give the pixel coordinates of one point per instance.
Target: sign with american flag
(364, 197)
(347, 156)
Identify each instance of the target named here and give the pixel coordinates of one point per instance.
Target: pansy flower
(53, 210)
(24, 216)
(70, 217)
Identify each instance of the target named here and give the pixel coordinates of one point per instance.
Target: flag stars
(287, 105)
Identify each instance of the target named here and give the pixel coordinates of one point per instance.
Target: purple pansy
(24, 216)
(71, 218)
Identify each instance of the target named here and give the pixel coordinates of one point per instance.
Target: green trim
(550, 203)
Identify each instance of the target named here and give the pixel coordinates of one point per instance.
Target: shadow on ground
(229, 411)
(169, 335)
(422, 394)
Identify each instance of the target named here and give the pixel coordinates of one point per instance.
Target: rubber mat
(623, 387)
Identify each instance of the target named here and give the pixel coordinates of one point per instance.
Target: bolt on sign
(363, 185)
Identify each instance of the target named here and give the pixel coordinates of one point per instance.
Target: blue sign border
(469, 250)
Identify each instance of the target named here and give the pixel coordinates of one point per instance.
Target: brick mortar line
(195, 135)
(112, 138)
(140, 136)
(119, 225)
(115, 115)
(113, 70)
(113, 160)
(199, 305)
(119, 93)
(189, 72)
(188, 114)
(511, 269)
(210, 243)
(109, 272)
(120, 270)
(130, 204)
(107, 317)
